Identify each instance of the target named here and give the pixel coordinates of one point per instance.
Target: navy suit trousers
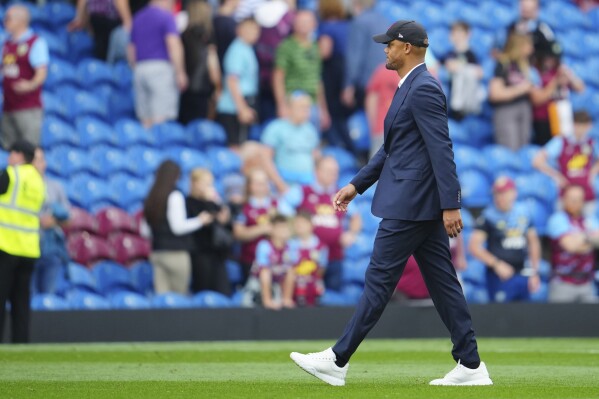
(396, 241)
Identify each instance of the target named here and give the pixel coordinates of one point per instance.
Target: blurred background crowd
(190, 148)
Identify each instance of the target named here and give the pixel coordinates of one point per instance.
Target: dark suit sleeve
(4, 181)
(430, 113)
(371, 172)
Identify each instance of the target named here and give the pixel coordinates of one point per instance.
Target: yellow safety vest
(19, 212)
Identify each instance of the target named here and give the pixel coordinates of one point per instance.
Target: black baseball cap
(406, 31)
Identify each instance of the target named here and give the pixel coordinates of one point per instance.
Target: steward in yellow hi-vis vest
(22, 192)
(19, 212)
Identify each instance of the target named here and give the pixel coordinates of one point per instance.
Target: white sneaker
(461, 375)
(322, 366)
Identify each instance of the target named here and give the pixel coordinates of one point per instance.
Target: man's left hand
(534, 283)
(24, 86)
(452, 219)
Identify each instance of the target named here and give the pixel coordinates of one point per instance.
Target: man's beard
(393, 66)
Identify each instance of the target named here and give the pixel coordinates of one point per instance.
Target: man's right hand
(343, 197)
(503, 270)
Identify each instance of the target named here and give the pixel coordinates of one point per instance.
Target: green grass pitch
(520, 368)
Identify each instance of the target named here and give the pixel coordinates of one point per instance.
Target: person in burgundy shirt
(574, 238)
(25, 60)
(328, 224)
(573, 159)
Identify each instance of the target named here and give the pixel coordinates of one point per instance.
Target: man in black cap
(418, 198)
(22, 193)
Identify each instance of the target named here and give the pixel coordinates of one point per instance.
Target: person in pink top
(379, 94)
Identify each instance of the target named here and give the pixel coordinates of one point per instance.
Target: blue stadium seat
(128, 300)
(105, 160)
(56, 132)
(234, 272)
(48, 302)
(475, 273)
(526, 154)
(370, 223)
(210, 299)
(81, 45)
(352, 293)
(142, 277)
(171, 300)
(92, 72)
(54, 106)
(476, 189)
(457, 132)
(93, 132)
(359, 131)
(188, 159)
(223, 161)
(475, 294)
(59, 73)
(332, 298)
(361, 248)
(539, 186)
(122, 104)
(205, 133)
(86, 104)
(65, 161)
(104, 92)
(539, 213)
(169, 134)
(81, 300)
(346, 160)
(502, 159)
(143, 160)
(354, 270)
(467, 219)
(112, 277)
(237, 299)
(81, 278)
(127, 191)
(130, 132)
(470, 158)
(542, 295)
(56, 46)
(480, 130)
(85, 190)
(58, 13)
(3, 159)
(122, 75)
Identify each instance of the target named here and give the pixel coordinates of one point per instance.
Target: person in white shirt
(166, 220)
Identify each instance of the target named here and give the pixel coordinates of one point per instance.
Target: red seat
(129, 248)
(111, 220)
(80, 220)
(87, 249)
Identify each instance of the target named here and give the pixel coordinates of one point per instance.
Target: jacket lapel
(399, 98)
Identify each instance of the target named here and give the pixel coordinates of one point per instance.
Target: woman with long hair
(201, 64)
(166, 219)
(510, 92)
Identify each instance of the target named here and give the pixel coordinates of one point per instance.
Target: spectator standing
(363, 54)
(236, 106)
(510, 237)
(212, 242)
(54, 214)
(510, 93)
(466, 93)
(156, 50)
(312, 256)
(25, 59)
(572, 159)
(298, 67)
(271, 281)
(224, 27)
(293, 144)
(574, 238)
(167, 222)
(556, 81)
(201, 64)
(275, 17)
(529, 23)
(379, 94)
(21, 199)
(104, 17)
(332, 41)
(253, 222)
(315, 200)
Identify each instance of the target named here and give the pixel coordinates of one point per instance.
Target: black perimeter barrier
(398, 321)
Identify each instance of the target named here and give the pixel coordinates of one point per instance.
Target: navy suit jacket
(415, 169)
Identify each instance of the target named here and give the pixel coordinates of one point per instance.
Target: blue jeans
(46, 274)
(512, 290)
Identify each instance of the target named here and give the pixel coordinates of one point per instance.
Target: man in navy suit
(418, 198)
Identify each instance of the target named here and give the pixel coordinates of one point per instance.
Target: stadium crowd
(192, 148)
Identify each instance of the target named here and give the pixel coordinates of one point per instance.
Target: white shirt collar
(408, 74)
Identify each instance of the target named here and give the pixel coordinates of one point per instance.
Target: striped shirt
(302, 66)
